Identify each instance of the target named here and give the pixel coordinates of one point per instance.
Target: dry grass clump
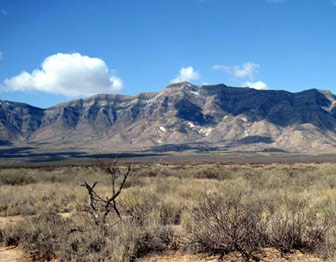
(30, 199)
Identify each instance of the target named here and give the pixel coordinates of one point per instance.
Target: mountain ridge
(181, 115)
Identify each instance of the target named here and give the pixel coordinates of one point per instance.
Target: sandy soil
(17, 255)
(13, 255)
(269, 255)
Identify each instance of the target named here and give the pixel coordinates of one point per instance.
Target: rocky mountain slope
(180, 117)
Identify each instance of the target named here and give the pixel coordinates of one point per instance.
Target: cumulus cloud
(187, 74)
(256, 85)
(71, 75)
(247, 70)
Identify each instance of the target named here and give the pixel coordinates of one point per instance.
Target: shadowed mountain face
(219, 116)
(278, 107)
(18, 121)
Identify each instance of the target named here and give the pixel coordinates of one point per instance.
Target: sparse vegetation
(204, 208)
(222, 225)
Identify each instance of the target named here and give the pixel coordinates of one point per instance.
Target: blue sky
(52, 51)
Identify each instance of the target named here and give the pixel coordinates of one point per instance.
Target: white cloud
(4, 12)
(247, 70)
(71, 75)
(256, 85)
(187, 74)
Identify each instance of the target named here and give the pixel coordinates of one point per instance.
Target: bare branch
(92, 201)
(109, 203)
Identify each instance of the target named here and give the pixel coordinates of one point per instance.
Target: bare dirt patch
(269, 255)
(9, 220)
(11, 254)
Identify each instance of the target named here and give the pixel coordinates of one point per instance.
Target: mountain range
(180, 117)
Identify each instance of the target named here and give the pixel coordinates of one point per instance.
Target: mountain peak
(180, 85)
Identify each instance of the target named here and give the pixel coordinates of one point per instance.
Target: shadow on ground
(27, 154)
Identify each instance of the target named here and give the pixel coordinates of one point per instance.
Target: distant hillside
(180, 117)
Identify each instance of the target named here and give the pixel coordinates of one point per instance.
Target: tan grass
(172, 190)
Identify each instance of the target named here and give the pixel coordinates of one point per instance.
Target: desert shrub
(146, 172)
(222, 224)
(170, 213)
(165, 172)
(134, 180)
(41, 236)
(298, 230)
(16, 177)
(48, 236)
(138, 205)
(120, 242)
(117, 240)
(11, 235)
(213, 172)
